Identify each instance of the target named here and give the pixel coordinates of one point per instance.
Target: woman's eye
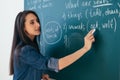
(32, 22)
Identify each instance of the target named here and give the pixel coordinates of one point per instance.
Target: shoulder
(28, 49)
(28, 52)
(25, 49)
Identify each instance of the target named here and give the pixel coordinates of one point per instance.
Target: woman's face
(32, 26)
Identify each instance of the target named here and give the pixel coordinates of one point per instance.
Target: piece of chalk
(93, 31)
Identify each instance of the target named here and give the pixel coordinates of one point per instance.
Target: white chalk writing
(53, 32)
(76, 15)
(72, 15)
(70, 4)
(39, 4)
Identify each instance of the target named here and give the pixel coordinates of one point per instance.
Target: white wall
(8, 12)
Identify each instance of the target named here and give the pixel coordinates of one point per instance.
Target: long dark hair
(19, 34)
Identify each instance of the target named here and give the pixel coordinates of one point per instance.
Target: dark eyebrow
(34, 19)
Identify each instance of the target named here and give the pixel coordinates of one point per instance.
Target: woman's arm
(69, 59)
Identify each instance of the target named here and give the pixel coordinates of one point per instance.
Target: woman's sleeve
(31, 56)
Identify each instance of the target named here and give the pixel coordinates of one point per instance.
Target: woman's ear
(25, 31)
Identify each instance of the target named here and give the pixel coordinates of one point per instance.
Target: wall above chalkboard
(64, 23)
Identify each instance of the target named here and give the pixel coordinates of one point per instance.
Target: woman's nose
(37, 24)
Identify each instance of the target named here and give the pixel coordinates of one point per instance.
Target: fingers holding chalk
(93, 31)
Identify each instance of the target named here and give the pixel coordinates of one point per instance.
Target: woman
(26, 61)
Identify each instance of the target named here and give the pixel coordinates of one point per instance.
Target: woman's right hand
(45, 77)
(88, 40)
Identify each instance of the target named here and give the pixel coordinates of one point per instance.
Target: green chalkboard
(64, 23)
